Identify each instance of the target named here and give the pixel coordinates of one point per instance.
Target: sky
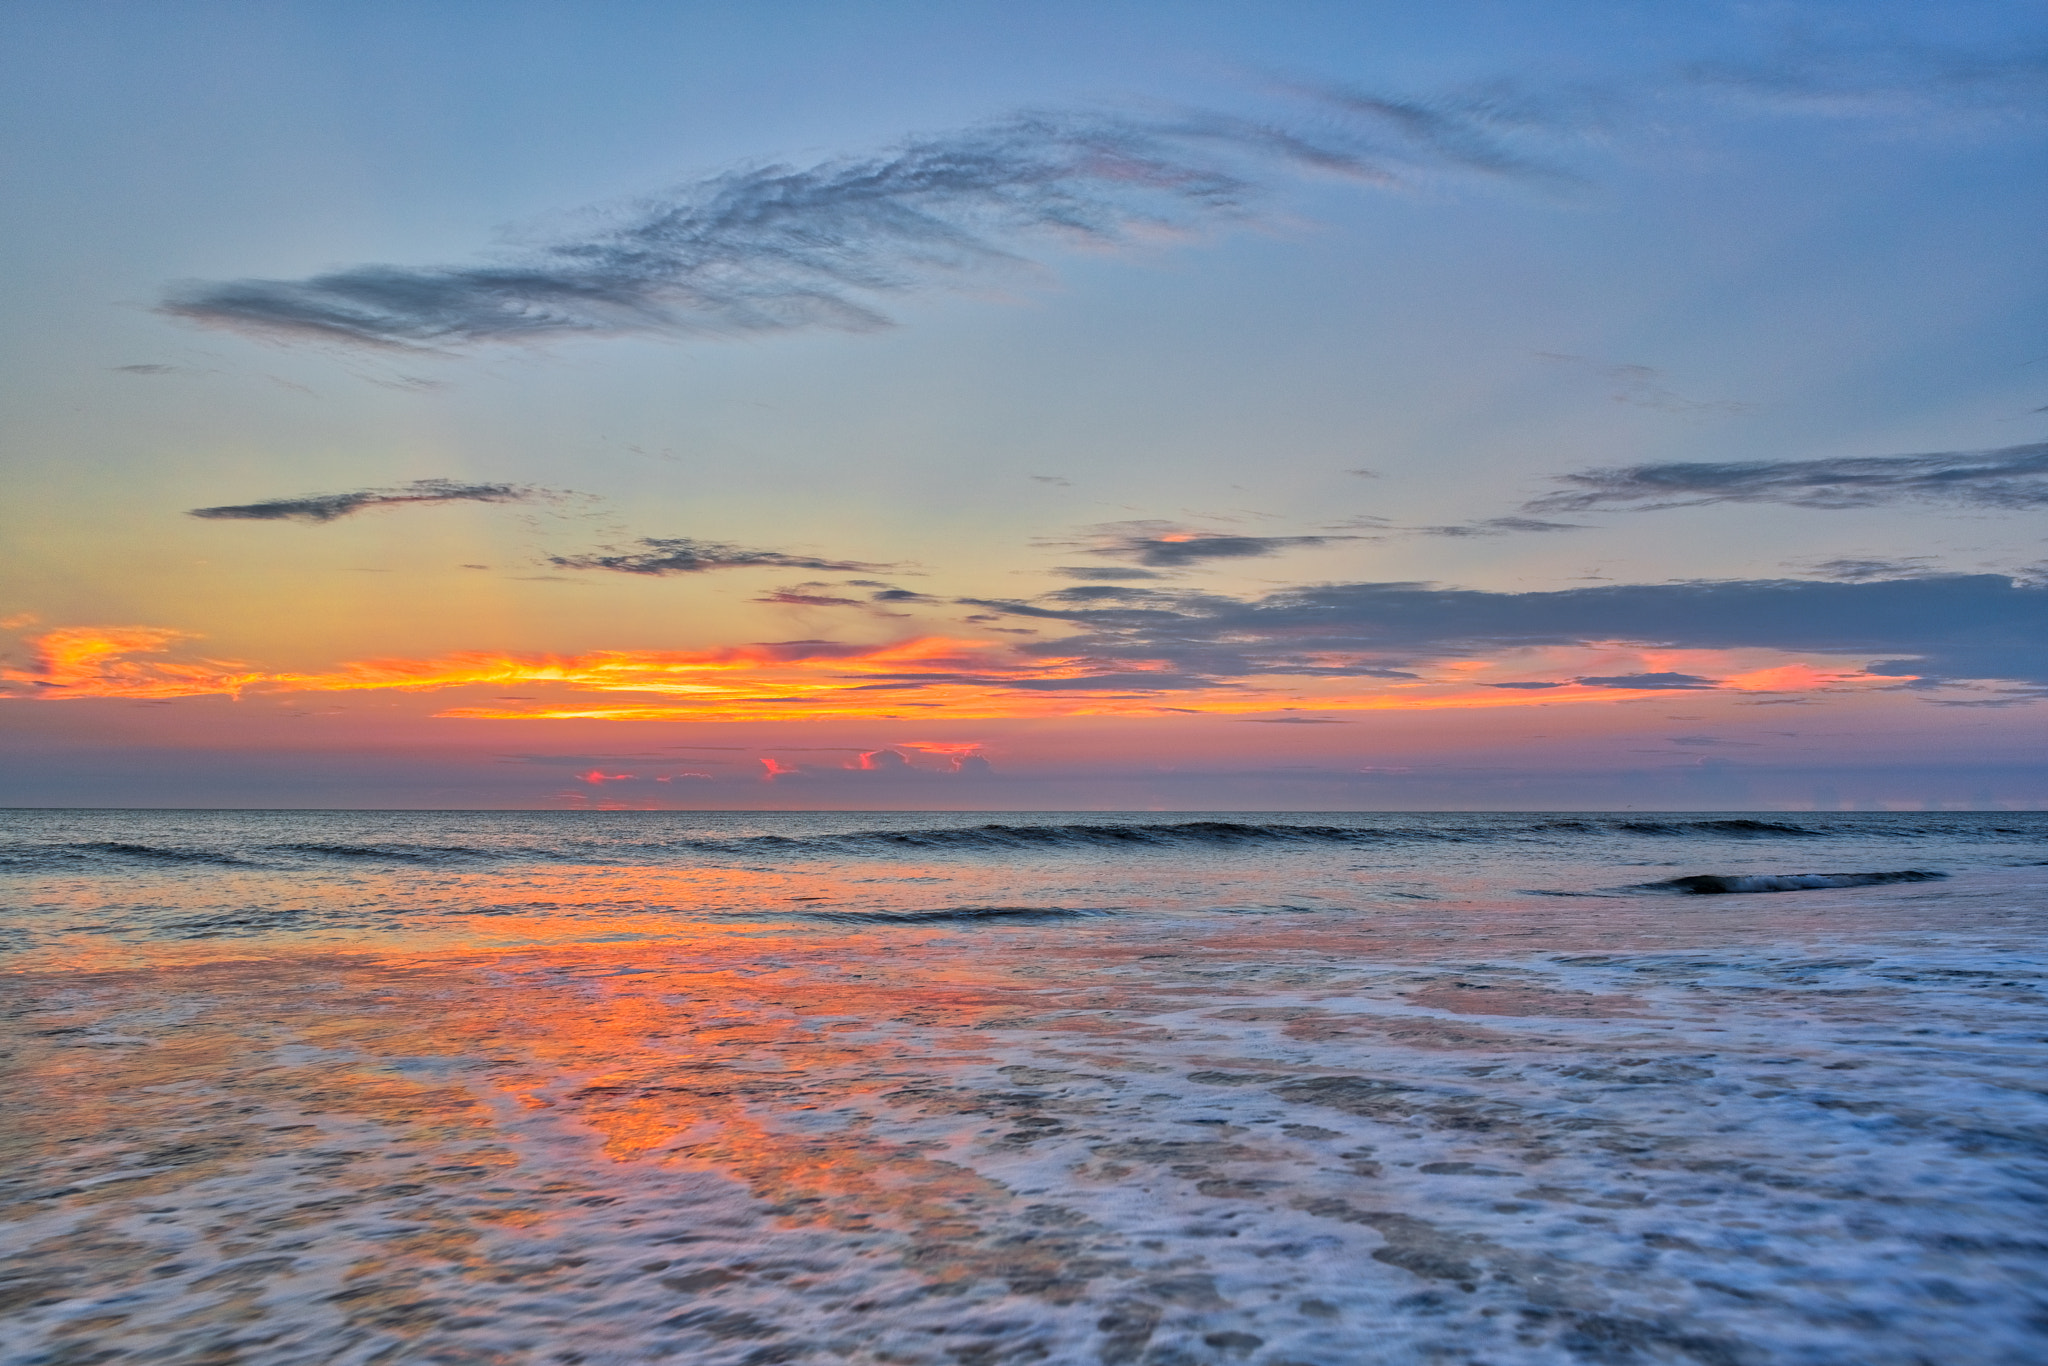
(1184, 406)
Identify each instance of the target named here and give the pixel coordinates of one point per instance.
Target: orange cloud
(90, 661)
(811, 680)
(1793, 678)
(958, 752)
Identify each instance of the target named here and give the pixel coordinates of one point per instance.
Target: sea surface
(967, 1089)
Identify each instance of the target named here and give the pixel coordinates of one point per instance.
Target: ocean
(964, 1089)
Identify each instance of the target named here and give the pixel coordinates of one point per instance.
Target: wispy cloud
(2009, 477)
(1964, 626)
(1645, 386)
(328, 507)
(786, 597)
(1097, 593)
(1891, 81)
(775, 248)
(1106, 573)
(1494, 526)
(683, 555)
(1852, 570)
(1652, 681)
(1375, 528)
(1175, 552)
(1167, 545)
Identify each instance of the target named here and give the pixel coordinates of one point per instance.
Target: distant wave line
(1717, 884)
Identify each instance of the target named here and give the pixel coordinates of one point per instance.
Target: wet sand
(1809, 1127)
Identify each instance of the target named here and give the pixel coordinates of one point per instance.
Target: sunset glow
(808, 680)
(1092, 416)
(1073, 683)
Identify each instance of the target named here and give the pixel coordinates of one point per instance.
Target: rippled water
(626, 1087)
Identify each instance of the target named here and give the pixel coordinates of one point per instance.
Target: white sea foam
(743, 1090)
(1802, 1130)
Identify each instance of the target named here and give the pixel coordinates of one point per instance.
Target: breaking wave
(1738, 828)
(317, 842)
(944, 914)
(401, 853)
(1176, 834)
(1227, 834)
(1714, 884)
(161, 854)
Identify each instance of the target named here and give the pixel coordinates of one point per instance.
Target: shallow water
(538, 1088)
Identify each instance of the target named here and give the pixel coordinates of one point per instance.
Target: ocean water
(966, 1089)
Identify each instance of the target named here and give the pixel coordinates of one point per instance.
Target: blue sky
(1426, 271)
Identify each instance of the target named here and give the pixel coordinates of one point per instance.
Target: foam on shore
(1587, 1137)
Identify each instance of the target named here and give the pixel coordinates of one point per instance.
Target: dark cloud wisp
(1161, 548)
(1852, 570)
(775, 248)
(684, 555)
(1683, 682)
(787, 597)
(327, 507)
(1497, 526)
(1955, 626)
(1890, 81)
(1106, 573)
(2009, 477)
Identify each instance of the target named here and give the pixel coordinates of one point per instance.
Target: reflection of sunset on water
(1078, 1140)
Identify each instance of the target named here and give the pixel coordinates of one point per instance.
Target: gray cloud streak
(328, 507)
(1852, 570)
(1956, 626)
(778, 248)
(2009, 477)
(1160, 552)
(684, 555)
(1069, 571)
(1170, 546)
(788, 597)
(1681, 682)
(1889, 81)
(1494, 526)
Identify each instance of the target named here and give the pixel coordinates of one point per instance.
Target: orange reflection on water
(766, 1058)
(264, 914)
(760, 1141)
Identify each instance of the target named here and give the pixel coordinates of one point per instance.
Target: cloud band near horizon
(1360, 645)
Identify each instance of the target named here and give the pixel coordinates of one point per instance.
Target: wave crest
(1739, 828)
(1715, 884)
(944, 914)
(162, 854)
